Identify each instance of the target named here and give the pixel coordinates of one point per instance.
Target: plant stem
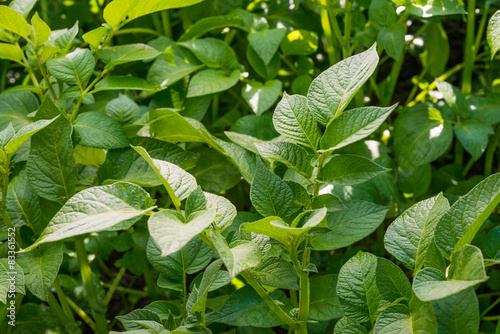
(330, 40)
(86, 272)
(62, 299)
(467, 167)
(346, 50)
(304, 296)
(165, 20)
(137, 31)
(127, 290)
(490, 307)
(336, 31)
(393, 79)
(81, 313)
(59, 313)
(269, 301)
(114, 285)
(459, 153)
(469, 48)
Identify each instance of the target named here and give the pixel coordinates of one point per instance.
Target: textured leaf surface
(211, 81)
(260, 97)
(74, 69)
(418, 317)
(213, 52)
(98, 130)
(25, 133)
(325, 304)
(473, 135)
(121, 54)
(266, 42)
(458, 314)
(348, 170)
(332, 90)
(292, 155)
(277, 272)
(347, 326)
(13, 21)
(493, 33)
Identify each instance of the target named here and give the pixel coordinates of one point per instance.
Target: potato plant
(241, 167)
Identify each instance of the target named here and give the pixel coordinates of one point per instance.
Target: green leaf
(198, 298)
(456, 229)
(213, 52)
(466, 270)
(418, 317)
(353, 125)
(492, 244)
(290, 154)
(15, 107)
(178, 183)
(473, 135)
(246, 308)
(127, 10)
(436, 49)
(41, 31)
(41, 267)
(122, 54)
(96, 36)
(212, 81)
(113, 82)
(493, 33)
(411, 235)
(357, 288)
(7, 271)
(266, 42)
(23, 7)
(74, 69)
(207, 24)
(332, 90)
(123, 109)
(382, 14)
(454, 98)
(65, 39)
(293, 120)
(458, 313)
(276, 272)
(25, 133)
(98, 130)
(348, 170)
(325, 304)
(14, 22)
(260, 97)
(11, 52)
(300, 42)
(244, 160)
(89, 156)
(429, 8)
(421, 136)
(225, 210)
(112, 207)
(347, 326)
(132, 321)
(239, 256)
(348, 226)
(51, 166)
(392, 39)
(270, 195)
(268, 71)
(392, 282)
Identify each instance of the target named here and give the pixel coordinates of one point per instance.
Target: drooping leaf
(332, 90)
(112, 207)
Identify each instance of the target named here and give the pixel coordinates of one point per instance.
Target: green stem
(59, 313)
(393, 79)
(336, 30)
(459, 153)
(415, 87)
(137, 31)
(114, 285)
(329, 38)
(165, 20)
(490, 151)
(467, 167)
(127, 290)
(269, 300)
(469, 48)
(480, 30)
(288, 63)
(81, 313)
(62, 300)
(215, 107)
(97, 310)
(153, 293)
(490, 307)
(304, 296)
(87, 89)
(347, 29)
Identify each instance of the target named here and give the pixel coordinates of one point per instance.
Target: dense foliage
(237, 166)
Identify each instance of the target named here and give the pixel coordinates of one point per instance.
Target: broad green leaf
(268, 71)
(11, 52)
(128, 165)
(466, 270)
(38, 318)
(454, 98)
(429, 8)
(132, 321)
(436, 49)
(347, 326)
(348, 170)
(208, 24)
(6, 135)
(113, 82)
(247, 142)
(332, 90)
(237, 257)
(325, 304)
(458, 313)
(25, 133)
(178, 183)
(243, 159)
(98, 130)
(96, 36)
(213, 52)
(7, 272)
(123, 109)
(331, 202)
(51, 166)
(493, 33)
(191, 258)
(171, 232)
(89, 156)
(382, 13)
(23, 7)
(64, 38)
(14, 22)
(246, 308)
(41, 267)
(392, 282)
(15, 107)
(357, 288)
(492, 244)
(357, 221)
(198, 297)
(409, 237)
(112, 207)
(276, 272)
(353, 125)
(421, 136)
(473, 135)
(121, 54)
(293, 120)
(74, 69)
(212, 81)
(41, 31)
(127, 10)
(270, 195)
(266, 42)
(225, 211)
(260, 97)
(418, 317)
(456, 229)
(290, 154)
(164, 74)
(275, 228)
(300, 42)
(392, 39)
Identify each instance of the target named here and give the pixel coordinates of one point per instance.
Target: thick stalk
(86, 272)
(165, 20)
(269, 300)
(330, 39)
(469, 48)
(393, 79)
(304, 296)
